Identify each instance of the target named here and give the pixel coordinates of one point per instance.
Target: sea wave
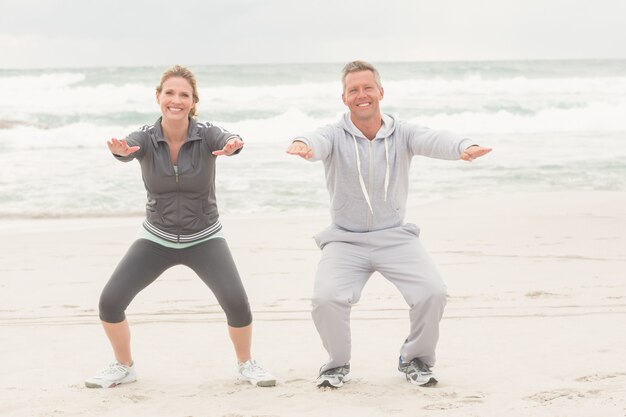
(57, 99)
(595, 117)
(554, 129)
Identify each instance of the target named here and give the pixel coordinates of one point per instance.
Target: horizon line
(252, 64)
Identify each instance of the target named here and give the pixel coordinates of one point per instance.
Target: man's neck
(369, 127)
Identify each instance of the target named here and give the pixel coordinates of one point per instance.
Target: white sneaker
(112, 376)
(255, 374)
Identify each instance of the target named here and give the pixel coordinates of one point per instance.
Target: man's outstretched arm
(473, 152)
(301, 149)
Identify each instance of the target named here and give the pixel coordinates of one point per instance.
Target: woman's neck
(175, 131)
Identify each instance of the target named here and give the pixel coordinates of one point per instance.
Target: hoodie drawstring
(386, 170)
(362, 181)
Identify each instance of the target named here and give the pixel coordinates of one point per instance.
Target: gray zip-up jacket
(368, 180)
(181, 206)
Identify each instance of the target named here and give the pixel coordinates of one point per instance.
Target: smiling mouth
(363, 104)
(175, 109)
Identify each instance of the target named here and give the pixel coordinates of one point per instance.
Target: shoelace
(114, 368)
(419, 367)
(252, 366)
(339, 371)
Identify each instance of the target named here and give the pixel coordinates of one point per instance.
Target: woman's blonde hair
(182, 72)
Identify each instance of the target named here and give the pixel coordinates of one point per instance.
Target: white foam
(559, 133)
(63, 94)
(592, 117)
(74, 137)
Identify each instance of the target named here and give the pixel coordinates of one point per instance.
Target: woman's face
(175, 99)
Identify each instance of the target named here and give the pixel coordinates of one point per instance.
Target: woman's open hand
(120, 147)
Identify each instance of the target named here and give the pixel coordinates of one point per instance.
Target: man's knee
(328, 298)
(433, 294)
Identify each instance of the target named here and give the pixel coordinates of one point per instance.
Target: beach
(534, 324)
(530, 239)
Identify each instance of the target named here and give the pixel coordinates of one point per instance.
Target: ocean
(553, 125)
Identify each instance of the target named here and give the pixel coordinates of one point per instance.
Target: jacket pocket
(206, 210)
(351, 214)
(153, 214)
(386, 213)
(151, 205)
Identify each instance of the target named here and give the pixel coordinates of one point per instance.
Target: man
(367, 156)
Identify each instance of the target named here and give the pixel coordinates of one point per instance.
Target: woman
(177, 157)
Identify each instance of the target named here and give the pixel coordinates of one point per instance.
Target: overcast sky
(70, 33)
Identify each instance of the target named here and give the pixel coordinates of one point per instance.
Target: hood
(387, 128)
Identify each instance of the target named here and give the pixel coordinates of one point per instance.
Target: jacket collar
(387, 127)
(192, 132)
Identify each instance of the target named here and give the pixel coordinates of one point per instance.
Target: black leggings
(146, 260)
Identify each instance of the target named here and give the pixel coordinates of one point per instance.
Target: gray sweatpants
(146, 260)
(348, 260)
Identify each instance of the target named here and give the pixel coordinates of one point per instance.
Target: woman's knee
(238, 313)
(110, 309)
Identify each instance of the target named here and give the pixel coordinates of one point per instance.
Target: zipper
(370, 215)
(178, 200)
(169, 154)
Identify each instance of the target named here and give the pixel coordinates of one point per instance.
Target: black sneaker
(334, 378)
(417, 373)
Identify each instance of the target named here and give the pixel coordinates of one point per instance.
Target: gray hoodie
(368, 180)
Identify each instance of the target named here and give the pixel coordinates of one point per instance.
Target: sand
(534, 324)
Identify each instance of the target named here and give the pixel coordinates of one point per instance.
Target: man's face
(362, 95)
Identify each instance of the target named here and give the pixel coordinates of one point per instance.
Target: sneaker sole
(265, 384)
(327, 384)
(94, 385)
(270, 383)
(430, 383)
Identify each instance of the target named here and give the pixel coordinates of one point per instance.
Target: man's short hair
(357, 66)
